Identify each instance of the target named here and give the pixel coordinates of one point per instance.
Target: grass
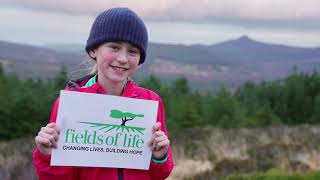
(246, 153)
(275, 175)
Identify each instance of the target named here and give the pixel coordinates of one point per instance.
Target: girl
(118, 43)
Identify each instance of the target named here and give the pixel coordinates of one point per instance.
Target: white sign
(104, 131)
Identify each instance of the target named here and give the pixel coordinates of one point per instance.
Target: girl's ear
(92, 54)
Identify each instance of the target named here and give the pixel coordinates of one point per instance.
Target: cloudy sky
(291, 22)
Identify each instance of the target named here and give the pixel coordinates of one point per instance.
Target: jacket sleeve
(42, 162)
(163, 170)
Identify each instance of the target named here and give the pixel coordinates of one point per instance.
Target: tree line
(290, 101)
(25, 104)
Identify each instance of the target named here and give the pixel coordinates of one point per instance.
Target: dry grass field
(207, 153)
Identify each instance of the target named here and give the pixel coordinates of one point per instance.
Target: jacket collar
(76, 85)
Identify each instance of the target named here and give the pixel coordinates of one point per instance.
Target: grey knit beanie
(119, 24)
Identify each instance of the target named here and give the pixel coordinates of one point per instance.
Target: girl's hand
(47, 138)
(159, 142)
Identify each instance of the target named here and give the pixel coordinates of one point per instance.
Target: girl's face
(116, 61)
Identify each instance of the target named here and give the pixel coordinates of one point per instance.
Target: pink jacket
(156, 171)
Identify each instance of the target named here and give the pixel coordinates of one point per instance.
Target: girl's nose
(122, 57)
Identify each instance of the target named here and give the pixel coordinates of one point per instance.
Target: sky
(289, 22)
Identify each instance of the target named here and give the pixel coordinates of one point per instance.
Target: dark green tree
(61, 79)
(180, 86)
(225, 110)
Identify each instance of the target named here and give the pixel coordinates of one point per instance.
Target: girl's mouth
(117, 68)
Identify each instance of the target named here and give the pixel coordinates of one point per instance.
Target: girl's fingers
(160, 138)
(154, 145)
(57, 129)
(162, 144)
(43, 141)
(50, 137)
(156, 127)
(159, 142)
(52, 129)
(48, 130)
(51, 125)
(159, 133)
(54, 126)
(156, 135)
(47, 138)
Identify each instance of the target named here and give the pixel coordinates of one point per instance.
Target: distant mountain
(233, 62)
(228, 64)
(241, 50)
(36, 62)
(182, 53)
(245, 49)
(67, 48)
(168, 51)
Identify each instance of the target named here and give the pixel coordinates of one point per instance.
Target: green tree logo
(124, 116)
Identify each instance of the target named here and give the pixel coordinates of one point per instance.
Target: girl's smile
(119, 69)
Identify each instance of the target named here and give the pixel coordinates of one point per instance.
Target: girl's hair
(85, 67)
(94, 69)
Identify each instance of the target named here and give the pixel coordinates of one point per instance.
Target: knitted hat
(119, 24)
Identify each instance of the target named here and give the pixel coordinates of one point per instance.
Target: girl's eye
(116, 48)
(113, 46)
(134, 51)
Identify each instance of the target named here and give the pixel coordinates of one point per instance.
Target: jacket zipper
(120, 173)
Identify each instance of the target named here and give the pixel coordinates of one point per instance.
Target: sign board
(99, 130)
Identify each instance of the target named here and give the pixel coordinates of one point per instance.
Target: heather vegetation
(274, 153)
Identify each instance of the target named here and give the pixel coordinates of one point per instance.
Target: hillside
(36, 62)
(228, 64)
(207, 153)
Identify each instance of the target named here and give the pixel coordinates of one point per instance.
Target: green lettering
(93, 138)
(108, 142)
(116, 139)
(67, 135)
(79, 136)
(139, 143)
(85, 137)
(100, 139)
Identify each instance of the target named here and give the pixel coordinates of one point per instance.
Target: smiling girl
(117, 43)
